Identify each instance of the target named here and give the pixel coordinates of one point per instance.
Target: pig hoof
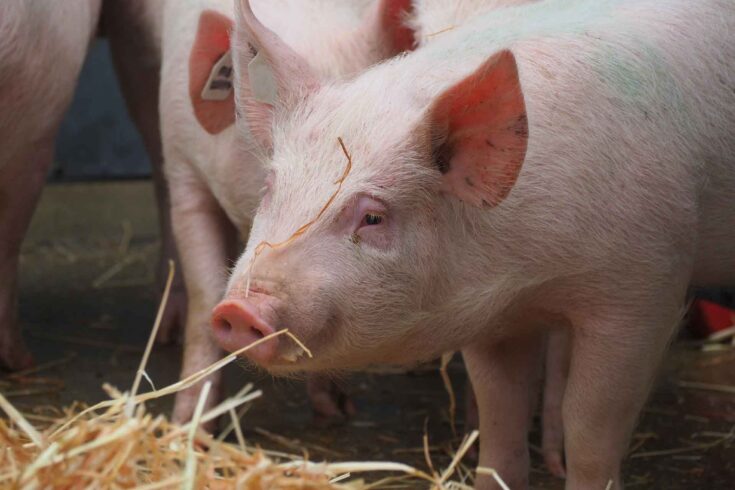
(15, 357)
(330, 403)
(174, 317)
(555, 463)
(184, 406)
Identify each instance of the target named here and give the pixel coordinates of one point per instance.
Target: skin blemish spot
(355, 238)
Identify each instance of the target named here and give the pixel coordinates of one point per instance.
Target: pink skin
(513, 201)
(42, 47)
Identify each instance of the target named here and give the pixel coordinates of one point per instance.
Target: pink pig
(42, 46)
(214, 179)
(217, 184)
(565, 164)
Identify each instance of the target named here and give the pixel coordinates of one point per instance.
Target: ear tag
(219, 83)
(262, 81)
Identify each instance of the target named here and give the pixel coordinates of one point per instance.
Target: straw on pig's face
(343, 260)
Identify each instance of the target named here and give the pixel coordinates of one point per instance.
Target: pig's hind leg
(555, 381)
(21, 181)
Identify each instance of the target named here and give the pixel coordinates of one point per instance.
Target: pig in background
(42, 46)
(568, 163)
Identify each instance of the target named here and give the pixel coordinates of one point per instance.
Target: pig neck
(486, 288)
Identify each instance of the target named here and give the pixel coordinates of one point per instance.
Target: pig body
(432, 18)
(215, 181)
(42, 46)
(560, 164)
(223, 184)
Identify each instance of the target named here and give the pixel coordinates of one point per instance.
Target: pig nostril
(225, 325)
(257, 332)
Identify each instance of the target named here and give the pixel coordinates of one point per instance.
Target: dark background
(97, 140)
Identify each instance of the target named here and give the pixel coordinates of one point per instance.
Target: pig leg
(138, 66)
(21, 181)
(204, 237)
(471, 417)
(613, 363)
(329, 402)
(557, 370)
(505, 377)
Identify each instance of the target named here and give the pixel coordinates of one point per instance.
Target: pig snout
(238, 323)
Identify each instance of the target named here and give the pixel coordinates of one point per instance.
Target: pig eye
(370, 223)
(372, 219)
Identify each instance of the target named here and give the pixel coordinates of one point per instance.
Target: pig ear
(210, 84)
(266, 69)
(480, 133)
(388, 22)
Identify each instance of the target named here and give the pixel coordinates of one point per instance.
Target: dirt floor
(89, 297)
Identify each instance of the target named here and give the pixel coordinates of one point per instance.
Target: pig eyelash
(372, 219)
(369, 214)
(371, 223)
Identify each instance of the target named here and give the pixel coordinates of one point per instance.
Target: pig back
(630, 158)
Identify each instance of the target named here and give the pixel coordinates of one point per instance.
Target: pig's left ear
(266, 70)
(480, 133)
(387, 22)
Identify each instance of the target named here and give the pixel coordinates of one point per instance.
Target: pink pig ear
(480, 133)
(388, 20)
(277, 64)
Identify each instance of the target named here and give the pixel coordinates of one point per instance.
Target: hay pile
(118, 444)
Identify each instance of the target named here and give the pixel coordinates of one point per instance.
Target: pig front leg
(556, 373)
(614, 358)
(505, 378)
(204, 237)
(21, 179)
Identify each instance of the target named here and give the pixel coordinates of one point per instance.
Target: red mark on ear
(484, 117)
(212, 41)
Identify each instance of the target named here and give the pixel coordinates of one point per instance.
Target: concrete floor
(73, 308)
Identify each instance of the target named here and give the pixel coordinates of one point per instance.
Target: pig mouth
(260, 319)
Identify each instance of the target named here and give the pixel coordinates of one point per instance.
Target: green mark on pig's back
(504, 27)
(638, 74)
